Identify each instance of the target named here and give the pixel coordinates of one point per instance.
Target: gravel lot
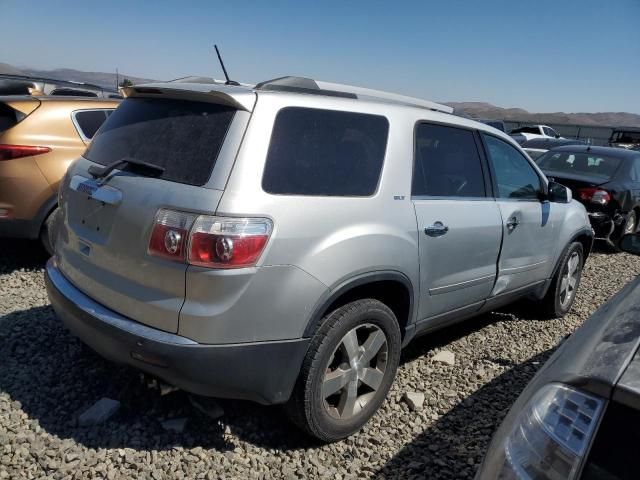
(47, 379)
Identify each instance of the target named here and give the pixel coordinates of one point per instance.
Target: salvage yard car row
(283, 242)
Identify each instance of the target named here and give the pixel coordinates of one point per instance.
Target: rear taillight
(219, 242)
(10, 152)
(594, 195)
(169, 237)
(209, 241)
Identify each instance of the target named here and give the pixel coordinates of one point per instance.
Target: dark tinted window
(70, 92)
(183, 137)
(625, 137)
(534, 130)
(7, 117)
(325, 152)
(515, 177)
(447, 163)
(89, 121)
(580, 164)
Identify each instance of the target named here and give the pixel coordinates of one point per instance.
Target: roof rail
(300, 85)
(308, 85)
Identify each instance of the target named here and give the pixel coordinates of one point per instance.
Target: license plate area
(92, 208)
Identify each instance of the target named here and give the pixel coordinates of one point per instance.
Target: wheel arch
(586, 238)
(392, 288)
(44, 211)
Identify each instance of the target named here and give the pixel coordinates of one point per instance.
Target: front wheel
(562, 291)
(348, 370)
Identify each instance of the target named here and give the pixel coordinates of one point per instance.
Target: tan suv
(39, 137)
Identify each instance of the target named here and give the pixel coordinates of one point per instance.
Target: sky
(542, 55)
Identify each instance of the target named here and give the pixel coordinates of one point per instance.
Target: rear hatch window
(183, 137)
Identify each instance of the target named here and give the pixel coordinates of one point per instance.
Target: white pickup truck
(522, 134)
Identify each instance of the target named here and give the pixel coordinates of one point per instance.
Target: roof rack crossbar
(300, 85)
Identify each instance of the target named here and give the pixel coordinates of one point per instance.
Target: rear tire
(562, 291)
(348, 370)
(630, 225)
(48, 231)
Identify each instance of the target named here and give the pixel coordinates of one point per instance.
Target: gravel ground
(47, 379)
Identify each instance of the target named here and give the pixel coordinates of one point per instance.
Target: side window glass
(325, 153)
(447, 163)
(515, 176)
(90, 121)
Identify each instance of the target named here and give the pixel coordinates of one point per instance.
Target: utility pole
(117, 80)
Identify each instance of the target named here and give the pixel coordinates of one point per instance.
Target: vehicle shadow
(54, 378)
(19, 254)
(462, 435)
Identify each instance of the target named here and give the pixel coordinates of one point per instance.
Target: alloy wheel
(570, 277)
(355, 371)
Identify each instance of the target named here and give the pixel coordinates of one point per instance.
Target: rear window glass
(325, 153)
(70, 92)
(89, 121)
(580, 164)
(184, 137)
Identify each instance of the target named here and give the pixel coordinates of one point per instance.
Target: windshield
(535, 130)
(626, 137)
(183, 137)
(579, 164)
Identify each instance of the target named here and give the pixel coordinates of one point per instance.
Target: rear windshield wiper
(101, 172)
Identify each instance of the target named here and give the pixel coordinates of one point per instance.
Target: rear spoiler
(236, 97)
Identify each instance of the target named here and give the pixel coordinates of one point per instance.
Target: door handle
(512, 223)
(436, 230)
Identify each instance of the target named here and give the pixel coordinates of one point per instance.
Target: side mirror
(557, 135)
(558, 193)
(630, 243)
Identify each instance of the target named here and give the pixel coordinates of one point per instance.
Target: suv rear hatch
(103, 242)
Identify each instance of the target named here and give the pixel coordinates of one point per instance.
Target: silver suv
(282, 242)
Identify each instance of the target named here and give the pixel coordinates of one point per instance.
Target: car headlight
(550, 436)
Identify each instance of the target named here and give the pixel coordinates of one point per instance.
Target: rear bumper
(264, 372)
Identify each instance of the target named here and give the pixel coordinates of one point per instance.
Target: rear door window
(89, 121)
(447, 163)
(183, 137)
(325, 153)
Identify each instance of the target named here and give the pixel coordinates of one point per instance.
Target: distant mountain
(6, 69)
(103, 79)
(488, 111)
(472, 109)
